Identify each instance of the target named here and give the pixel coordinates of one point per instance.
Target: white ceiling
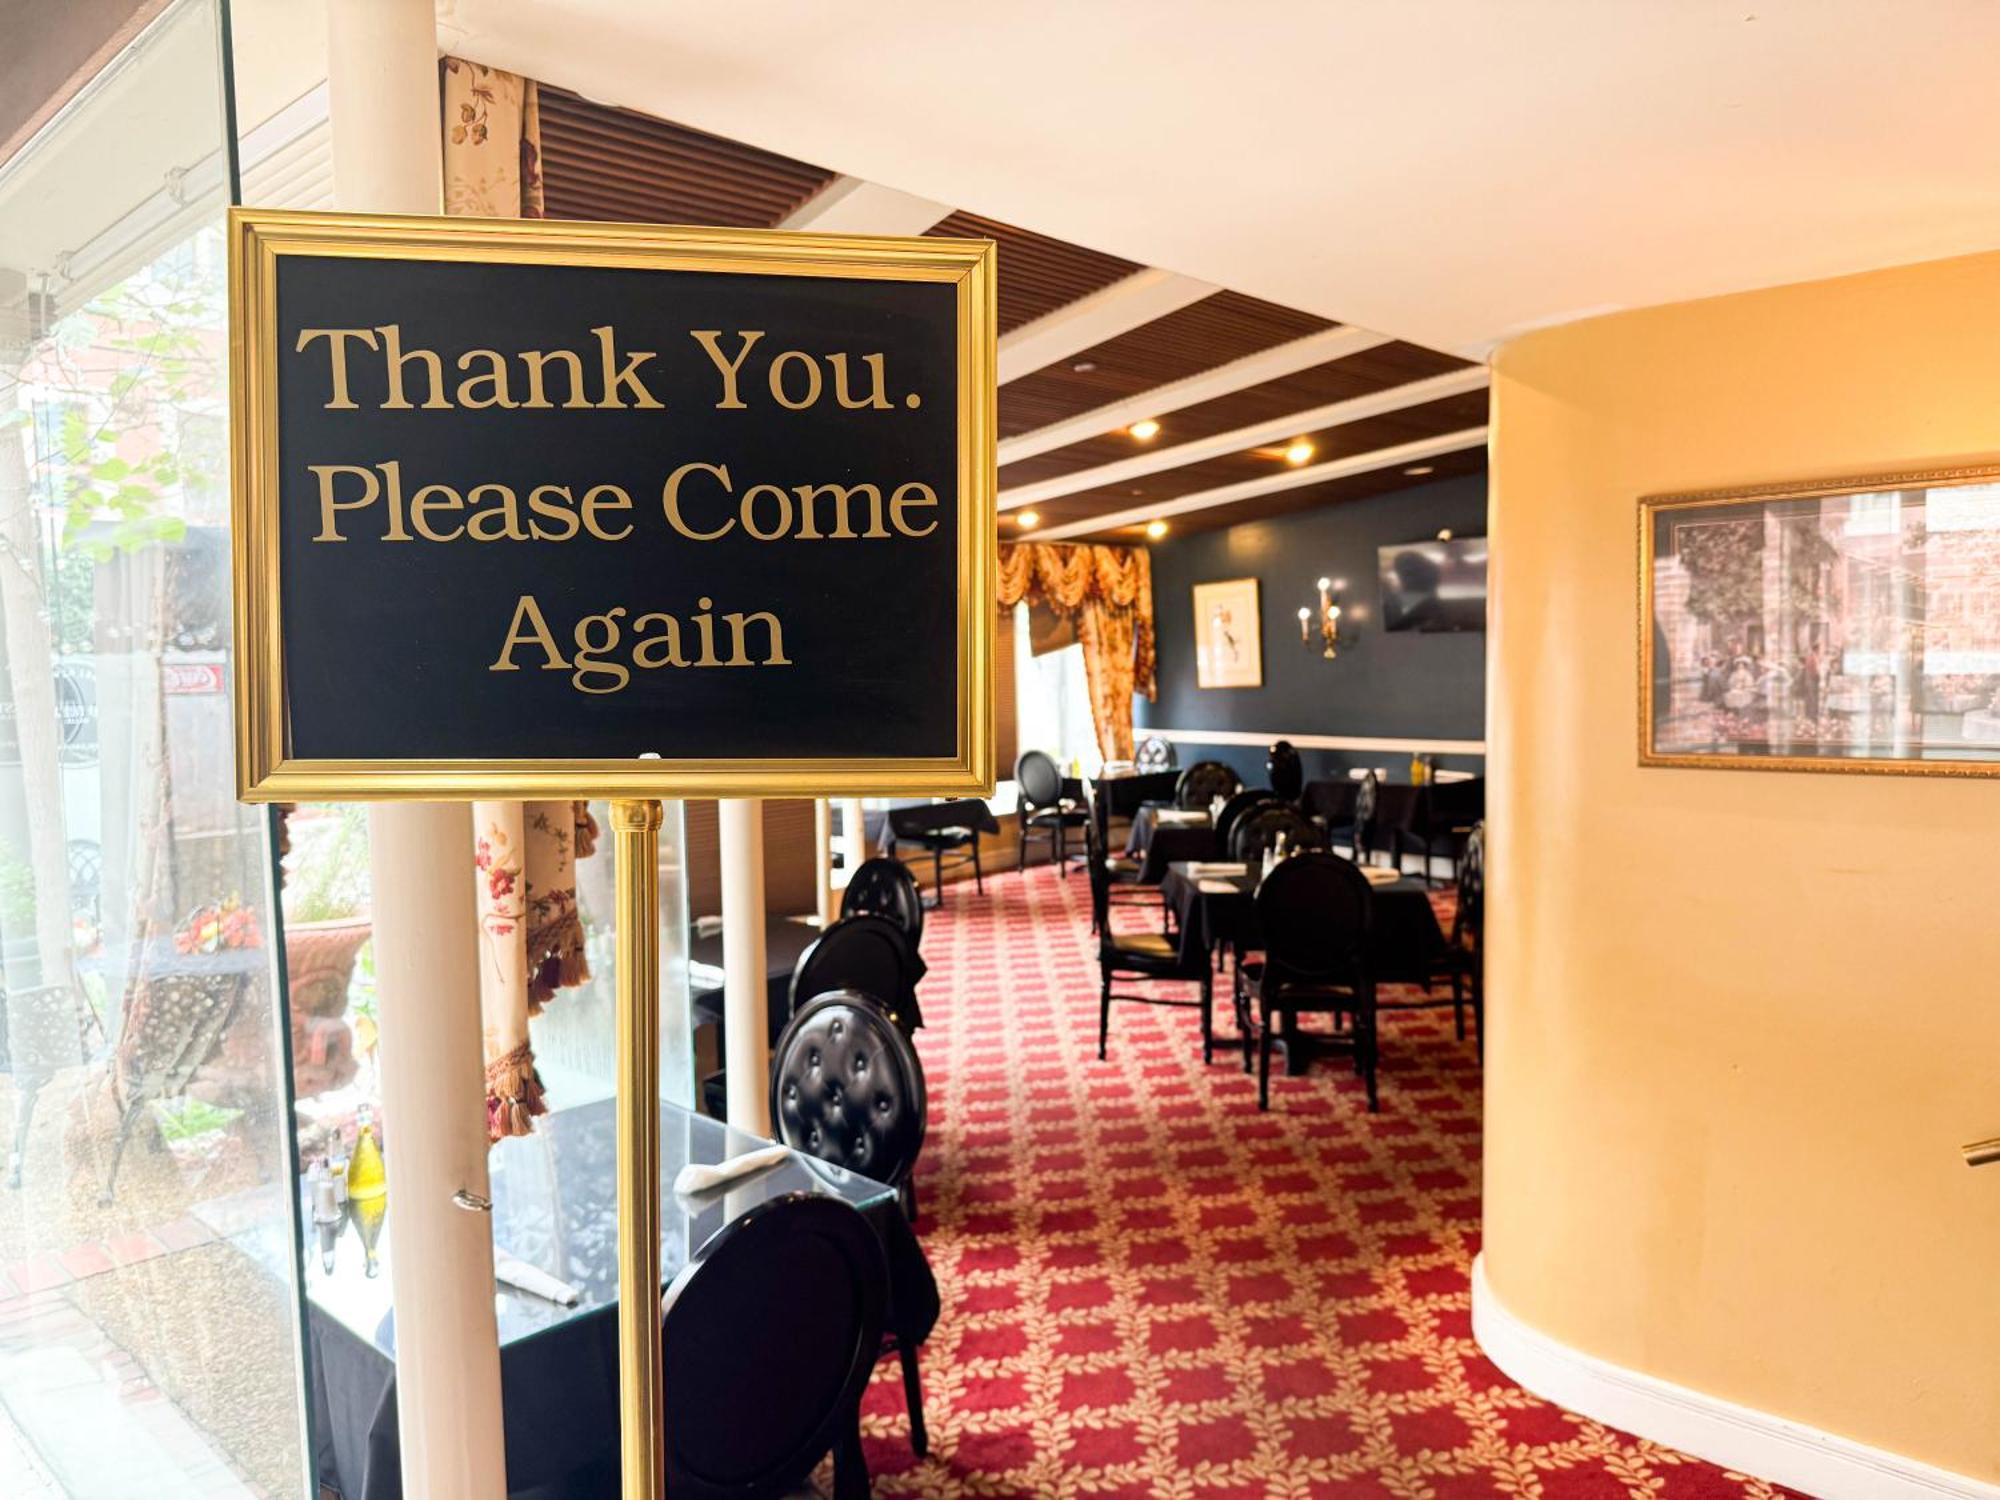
(1449, 171)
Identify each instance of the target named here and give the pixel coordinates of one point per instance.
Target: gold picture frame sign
(268, 771)
(1835, 688)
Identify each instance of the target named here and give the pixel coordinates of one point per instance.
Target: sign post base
(635, 829)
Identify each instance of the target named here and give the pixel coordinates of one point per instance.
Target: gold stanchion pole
(635, 827)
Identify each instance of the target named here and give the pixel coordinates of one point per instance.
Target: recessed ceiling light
(1156, 529)
(1445, 534)
(1145, 430)
(1027, 520)
(1138, 490)
(1298, 453)
(1084, 366)
(1418, 471)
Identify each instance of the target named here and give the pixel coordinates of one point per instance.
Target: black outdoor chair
(1234, 809)
(1047, 811)
(1463, 963)
(1204, 781)
(866, 952)
(886, 887)
(848, 1088)
(1154, 754)
(1262, 827)
(1314, 911)
(1145, 955)
(768, 1338)
(942, 828)
(1286, 771)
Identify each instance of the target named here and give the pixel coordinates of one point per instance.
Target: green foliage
(326, 874)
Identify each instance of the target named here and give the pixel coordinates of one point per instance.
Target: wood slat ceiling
(1202, 335)
(1385, 431)
(1037, 274)
(1305, 497)
(1336, 380)
(605, 163)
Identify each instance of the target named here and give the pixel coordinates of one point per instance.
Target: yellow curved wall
(1741, 1022)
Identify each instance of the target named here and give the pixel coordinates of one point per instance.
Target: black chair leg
(978, 875)
(1458, 1002)
(1368, 1050)
(1021, 860)
(913, 1397)
(1207, 1018)
(937, 873)
(1104, 1018)
(1061, 845)
(850, 1465)
(1264, 1061)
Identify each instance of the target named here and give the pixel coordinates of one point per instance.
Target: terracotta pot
(319, 962)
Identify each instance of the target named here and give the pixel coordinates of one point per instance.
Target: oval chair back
(864, 952)
(1315, 911)
(1259, 828)
(886, 887)
(768, 1336)
(847, 1087)
(1286, 771)
(1154, 754)
(1204, 781)
(1039, 777)
(1234, 809)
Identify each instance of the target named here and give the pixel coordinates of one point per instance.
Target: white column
(382, 90)
(853, 835)
(829, 908)
(745, 1002)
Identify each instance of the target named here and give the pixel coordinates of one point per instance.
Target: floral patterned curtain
(1108, 592)
(530, 936)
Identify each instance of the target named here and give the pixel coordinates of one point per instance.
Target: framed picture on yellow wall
(1228, 635)
(1825, 625)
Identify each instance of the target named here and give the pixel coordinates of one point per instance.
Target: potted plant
(326, 897)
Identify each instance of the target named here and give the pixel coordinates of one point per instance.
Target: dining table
(555, 1209)
(1216, 904)
(1162, 836)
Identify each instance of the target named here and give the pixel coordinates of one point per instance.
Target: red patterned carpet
(1152, 1290)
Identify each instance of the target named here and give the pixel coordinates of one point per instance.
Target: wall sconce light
(1329, 618)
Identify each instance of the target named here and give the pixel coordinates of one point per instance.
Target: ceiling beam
(1277, 430)
(851, 205)
(1269, 484)
(1238, 374)
(1126, 304)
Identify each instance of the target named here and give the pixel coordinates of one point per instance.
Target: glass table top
(555, 1206)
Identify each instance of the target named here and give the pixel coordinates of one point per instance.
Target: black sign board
(535, 508)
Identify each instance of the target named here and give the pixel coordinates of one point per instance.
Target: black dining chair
(942, 828)
(848, 1088)
(768, 1337)
(1285, 771)
(1234, 809)
(1045, 812)
(1154, 754)
(1262, 827)
(1204, 781)
(1145, 955)
(1314, 911)
(1463, 962)
(1439, 820)
(1357, 829)
(866, 952)
(885, 887)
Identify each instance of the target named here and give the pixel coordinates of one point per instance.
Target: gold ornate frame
(1256, 618)
(1854, 484)
(266, 771)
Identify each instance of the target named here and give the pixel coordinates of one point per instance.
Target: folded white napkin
(701, 1177)
(510, 1270)
(1218, 867)
(1215, 887)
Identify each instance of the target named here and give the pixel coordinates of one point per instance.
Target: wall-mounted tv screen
(1434, 585)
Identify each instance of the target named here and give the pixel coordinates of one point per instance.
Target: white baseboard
(1736, 1437)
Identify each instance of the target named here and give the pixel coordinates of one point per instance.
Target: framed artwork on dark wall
(1228, 635)
(1826, 625)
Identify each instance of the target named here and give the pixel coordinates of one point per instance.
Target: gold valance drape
(1108, 592)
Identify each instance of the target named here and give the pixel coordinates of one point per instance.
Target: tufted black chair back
(1154, 754)
(1367, 793)
(1258, 830)
(1204, 781)
(1468, 924)
(863, 952)
(804, 1275)
(1315, 911)
(1040, 779)
(846, 1087)
(886, 888)
(1287, 773)
(1234, 809)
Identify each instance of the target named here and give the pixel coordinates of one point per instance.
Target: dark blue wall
(1401, 685)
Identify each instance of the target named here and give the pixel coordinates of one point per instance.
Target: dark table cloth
(1405, 945)
(555, 1206)
(785, 941)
